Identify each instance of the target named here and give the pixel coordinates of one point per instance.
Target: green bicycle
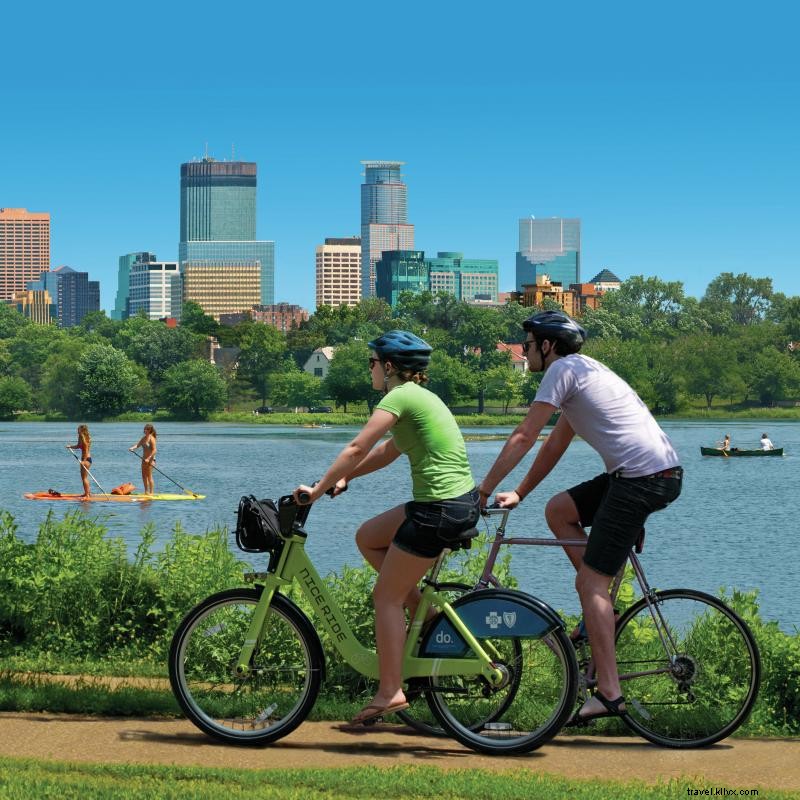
(246, 665)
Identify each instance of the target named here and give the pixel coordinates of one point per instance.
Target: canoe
(111, 498)
(736, 452)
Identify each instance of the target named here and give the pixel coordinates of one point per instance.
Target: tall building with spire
(24, 249)
(384, 217)
(218, 231)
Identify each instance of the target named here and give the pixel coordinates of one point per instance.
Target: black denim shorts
(616, 509)
(431, 527)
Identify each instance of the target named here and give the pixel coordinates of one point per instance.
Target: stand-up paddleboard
(109, 498)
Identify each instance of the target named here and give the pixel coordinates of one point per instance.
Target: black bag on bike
(257, 525)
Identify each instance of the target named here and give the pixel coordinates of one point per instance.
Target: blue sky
(672, 131)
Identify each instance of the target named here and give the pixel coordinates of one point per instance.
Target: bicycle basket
(257, 526)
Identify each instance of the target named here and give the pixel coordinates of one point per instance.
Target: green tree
(504, 383)
(98, 323)
(742, 299)
(157, 347)
(348, 379)
(15, 395)
(478, 332)
(262, 353)
(11, 321)
(774, 375)
(709, 367)
(195, 319)
(61, 384)
(30, 348)
(108, 381)
(450, 378)
(193, 389)
(295, 388)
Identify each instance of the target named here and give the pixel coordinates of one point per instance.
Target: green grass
(21, 779)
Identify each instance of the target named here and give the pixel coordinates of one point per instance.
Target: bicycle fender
(491, 614)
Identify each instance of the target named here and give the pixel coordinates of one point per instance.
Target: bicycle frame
(295, 565)
(488, 578)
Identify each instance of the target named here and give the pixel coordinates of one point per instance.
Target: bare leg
(374, 538)
(563, 520)
(400, 573)
(598, 614)
(144, 477)
(87, 489)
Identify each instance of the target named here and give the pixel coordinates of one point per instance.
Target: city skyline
(680, 167)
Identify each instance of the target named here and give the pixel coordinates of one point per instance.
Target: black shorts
(616, 508)
(431, 527)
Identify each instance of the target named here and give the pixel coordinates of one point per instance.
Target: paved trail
(733, 764)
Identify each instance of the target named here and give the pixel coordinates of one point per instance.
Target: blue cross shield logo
(509, 617)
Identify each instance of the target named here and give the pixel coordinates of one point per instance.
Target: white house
(319, 362)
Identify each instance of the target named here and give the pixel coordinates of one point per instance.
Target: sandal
(371, 713)
(612, 709)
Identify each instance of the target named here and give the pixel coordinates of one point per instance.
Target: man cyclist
(642, 475)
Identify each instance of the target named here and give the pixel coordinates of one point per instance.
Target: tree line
(735, 343)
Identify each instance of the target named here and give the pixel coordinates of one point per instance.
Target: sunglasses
(527, 346)
(373, 361)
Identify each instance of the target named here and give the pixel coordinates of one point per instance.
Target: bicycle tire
(419, 715)
(543, 674)
(711, 684)
(279, 691)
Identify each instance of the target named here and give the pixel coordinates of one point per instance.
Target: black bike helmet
(558, 326)
(404, 349)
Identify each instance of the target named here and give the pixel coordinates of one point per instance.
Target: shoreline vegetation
(75, 603)
(486, 420)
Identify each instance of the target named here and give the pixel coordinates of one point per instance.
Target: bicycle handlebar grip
(304, 497)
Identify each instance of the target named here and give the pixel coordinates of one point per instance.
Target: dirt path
(733, 764)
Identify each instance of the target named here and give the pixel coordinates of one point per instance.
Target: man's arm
(519, 443)
(548, 456)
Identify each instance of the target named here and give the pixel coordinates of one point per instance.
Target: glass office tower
(121, 301)
(401, 271)
(218, 222)
(384, 218)
(549, 247)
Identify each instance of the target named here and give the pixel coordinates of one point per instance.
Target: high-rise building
(469, 279)
(339, 272)
(473, 280)
(121, 310)
(24, 249)
(36, 305)
(221, 288)
(218, 224)
(151, 288)
(384, 218)
(77, 296)
(401, 271)
(549, 247)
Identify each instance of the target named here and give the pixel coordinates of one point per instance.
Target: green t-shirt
(428, 434)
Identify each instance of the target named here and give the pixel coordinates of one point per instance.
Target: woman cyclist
(85, 446)
(403, 542)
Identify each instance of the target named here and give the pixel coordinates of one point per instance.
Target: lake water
(734, 525)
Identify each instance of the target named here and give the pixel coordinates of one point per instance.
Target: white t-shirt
(766, 444)
(604, 410)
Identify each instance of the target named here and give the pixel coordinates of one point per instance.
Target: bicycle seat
(463, 540)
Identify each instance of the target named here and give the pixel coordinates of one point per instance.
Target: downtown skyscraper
(224, 268)
(24, 249)
(549, 247)
(384, 217)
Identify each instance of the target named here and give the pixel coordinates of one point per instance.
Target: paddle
(188, 491)
(88, 472)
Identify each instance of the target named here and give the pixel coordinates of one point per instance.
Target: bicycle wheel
(540, 668)
(419, 715)
(279, 690)
(700, 686)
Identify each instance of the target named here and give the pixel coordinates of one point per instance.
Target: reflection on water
(733, 525)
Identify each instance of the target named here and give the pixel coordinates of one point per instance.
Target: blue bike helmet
(404, 349)
(556, 325)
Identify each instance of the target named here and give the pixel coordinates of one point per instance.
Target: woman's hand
(307, 490)
(507, 499)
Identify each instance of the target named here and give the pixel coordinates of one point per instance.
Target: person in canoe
(149, 449)
(766, 443)
(725, 444)
(85, 446)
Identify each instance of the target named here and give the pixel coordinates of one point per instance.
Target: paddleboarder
(84, 445)
(149, 449)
